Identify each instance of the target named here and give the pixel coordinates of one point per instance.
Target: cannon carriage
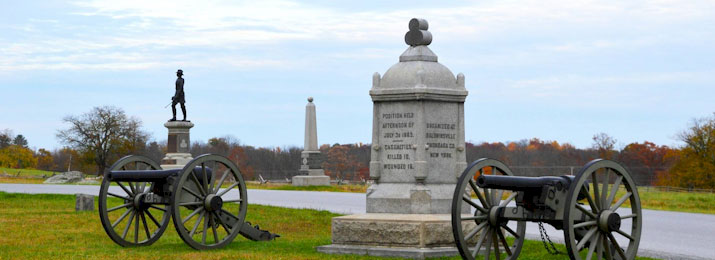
(490, 208)
(206, 200)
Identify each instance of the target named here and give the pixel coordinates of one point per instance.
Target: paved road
(667, 235)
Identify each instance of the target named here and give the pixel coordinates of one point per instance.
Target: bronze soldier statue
(178, 96)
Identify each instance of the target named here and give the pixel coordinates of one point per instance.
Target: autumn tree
(605, 145)
(5, 138)
(338, 162)
(103, 134)
(44, 160)
(20, 141)
(238, 156)
(15, 156)
(696, 166)
(646, 161)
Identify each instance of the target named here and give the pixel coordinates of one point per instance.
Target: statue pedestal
(311, 171)
(416, 236)
(178, 145)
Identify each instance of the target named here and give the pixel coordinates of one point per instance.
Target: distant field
(45, 226)
(25, 172)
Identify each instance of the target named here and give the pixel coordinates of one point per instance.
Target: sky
(554, 70)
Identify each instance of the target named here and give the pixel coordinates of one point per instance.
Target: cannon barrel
(152, 175)
(520, 183)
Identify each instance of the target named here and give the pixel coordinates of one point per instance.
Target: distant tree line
(96, 139)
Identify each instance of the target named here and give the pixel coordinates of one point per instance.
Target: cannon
(491, 206)
(206, 200)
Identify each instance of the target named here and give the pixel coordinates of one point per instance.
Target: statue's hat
(180, 72)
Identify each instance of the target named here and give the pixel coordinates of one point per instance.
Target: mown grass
(45, 226)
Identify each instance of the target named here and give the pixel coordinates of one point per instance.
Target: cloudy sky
(556, 70)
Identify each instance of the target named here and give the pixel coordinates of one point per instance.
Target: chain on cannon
(490, 209)
(206, 200)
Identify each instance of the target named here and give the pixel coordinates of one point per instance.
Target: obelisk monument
(311, 168)
(417, 155)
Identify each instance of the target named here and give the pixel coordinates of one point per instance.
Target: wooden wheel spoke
(121, 218)
(131, 194)
(136, 228)
(585, 224)
(228, 189)
(198, 183)
(616, 186)
(503, 241)
(621, 200)
(629, 216)
(473, 204)
(205, 230)
(213, 228)
(475, 231)
(197, 211)
(618, 248)
(131, 187)
(496, 245)
(497, 198)
(478, 193)
(236, 200)
(206, 179)
(606, 247)
(511, 231)
(482, 236)
(192, 192)
(592, 204)
(152, 218)
(119, 207)
(585, 238)
(220, 221)
(585, 211)
(595, 191)
(509, 199)
(487, 198)
(157, 208)
(489, 245)
(626, 235)
(591, 247)
(482, 217)
(604, 192)
(146, 227)
(118, 196)
(196, 225)
(195, 203)
(129, 224)
(223, 178)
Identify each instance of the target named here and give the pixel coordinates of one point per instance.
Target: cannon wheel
(606, 186)
(490, 233)
(222, 211)
(144, 223)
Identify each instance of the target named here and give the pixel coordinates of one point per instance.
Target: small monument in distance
(417, 154)
(178, 142)
(311, 169)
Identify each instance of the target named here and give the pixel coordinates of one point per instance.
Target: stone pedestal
(417, 155)
(178, 145)
(311, 169)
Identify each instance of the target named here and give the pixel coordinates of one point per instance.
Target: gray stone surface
(302, 180)
(65, 177)
(383, 251)
(178, 145)
(311, 168)
(418, 132)
(84, 202)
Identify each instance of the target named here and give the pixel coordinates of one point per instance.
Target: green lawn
(25, 172)
(46, 226)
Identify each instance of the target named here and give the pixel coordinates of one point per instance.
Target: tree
(102, 134)
(20, 141)
(44, 160)
(5, 138)
(696, 166)
(646, 161)
(15, 156)
(605, 145)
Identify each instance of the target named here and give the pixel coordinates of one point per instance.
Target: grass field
(47, 227)
(25, 172)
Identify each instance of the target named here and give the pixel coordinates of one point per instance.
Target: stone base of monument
(175, 160)
(315, 177)
(84, 202)
(396, 235)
